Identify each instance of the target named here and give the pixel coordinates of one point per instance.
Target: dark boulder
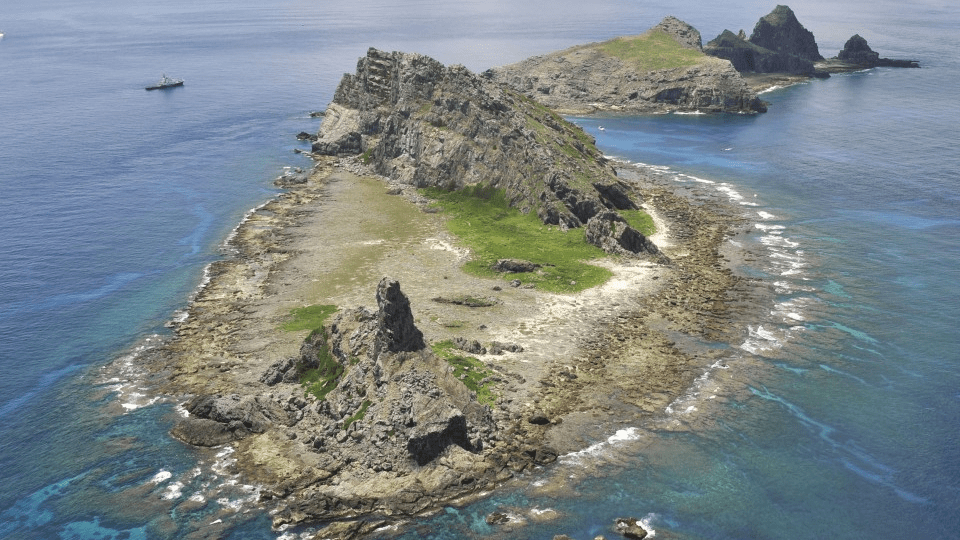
(283, 370)
(514, 266)
(498, 518)
(350, 144)
(203, 432)
(630, 528)
(611, 233)
(499, 348)
(470, 346)
(216, 420)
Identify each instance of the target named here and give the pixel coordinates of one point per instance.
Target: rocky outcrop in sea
(778, 44)
(857, 52)
(607, 77)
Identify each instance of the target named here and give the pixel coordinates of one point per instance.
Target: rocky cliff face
(607, 77)
(779, 44)
(414, 120)
(781, 32)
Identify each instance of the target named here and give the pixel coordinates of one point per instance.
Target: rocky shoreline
(554, 397)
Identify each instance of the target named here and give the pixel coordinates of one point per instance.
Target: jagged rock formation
(778, 44)
(384, 420)
(618, 75)
(856, 51)
(781, 32)
(416, 121)
(611, 233)
(216, 420)
(687, 36)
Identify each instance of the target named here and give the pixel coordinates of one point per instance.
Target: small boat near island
(166, 82)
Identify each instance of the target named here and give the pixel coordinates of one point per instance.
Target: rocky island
(662, 70)
(528, 296)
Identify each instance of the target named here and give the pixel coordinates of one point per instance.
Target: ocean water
(838, 416)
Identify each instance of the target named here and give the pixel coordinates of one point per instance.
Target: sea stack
(856, 51)
(779, 44)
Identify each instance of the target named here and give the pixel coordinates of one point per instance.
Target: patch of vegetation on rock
(652, 51)
(308, 317)
(322, 379)
(471, 371)
(359, 414)
(484, 221)
(639, 220)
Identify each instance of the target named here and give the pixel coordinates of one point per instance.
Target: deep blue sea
(837, 417)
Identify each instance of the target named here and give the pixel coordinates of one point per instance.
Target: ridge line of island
(549, 296)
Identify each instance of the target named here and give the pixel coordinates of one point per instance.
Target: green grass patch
(322, 379)
(308, 318)
(639, 220)
(652, 51)
(359, 415)
(485, 222)
(366, 156)
(469, 370)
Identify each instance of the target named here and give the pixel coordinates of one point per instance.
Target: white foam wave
(161, 477)
(686, 403)
(766, 215)
(597, 449)
(696, 179)
(777, 240)
(124, 377)
(174, 491)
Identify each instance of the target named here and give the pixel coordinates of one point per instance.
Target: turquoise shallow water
(838, 416)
